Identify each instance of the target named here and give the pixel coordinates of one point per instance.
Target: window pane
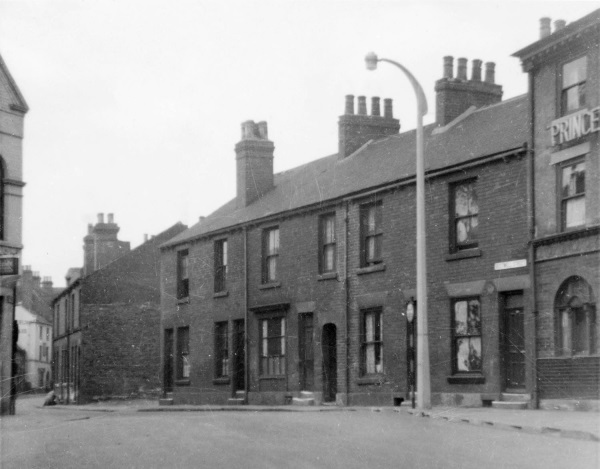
(371, 219)
(573, 179)
(369, 326)
(460, 317)
(474, 319)
(328, 252)
(574, 72)
(272, 268)
(370, 248)
(475, 354)
(462, 354)
(575, 212)
(370, 358)
(329, 230)
(461, 204)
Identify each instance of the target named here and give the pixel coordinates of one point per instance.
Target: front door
(514, 342)
(329, 344)
(306, 352)
(168, 361)
(239, 369)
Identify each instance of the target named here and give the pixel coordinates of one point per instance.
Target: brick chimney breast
(357, 129)
(254, 163)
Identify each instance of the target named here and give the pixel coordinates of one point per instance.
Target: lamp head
(371, 61)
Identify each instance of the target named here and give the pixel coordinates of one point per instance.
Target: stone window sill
(327, 276)
(183, 301)
(224, 380)
(466, 254)
(221, 294)
(276, 377)
(370, 269)
(182, 382)
(268, 286)
(376, 379)
(466, 379)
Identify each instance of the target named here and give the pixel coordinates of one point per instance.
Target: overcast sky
(135, 106)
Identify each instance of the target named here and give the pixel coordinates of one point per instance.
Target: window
(464, 213)
(47, 333)
(183, 352)
(220, 265)
(221, 350)
(466, 318)
(272, 350)
(40, 358)
(270, 254)
(41, 329)
(576, 318)
(371, 234)
(574, 75)
(327, 258)
(183, 281)
(572, 194)
(371, 342)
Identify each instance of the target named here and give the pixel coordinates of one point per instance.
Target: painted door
(306, 352)
(329, 344)
(168, 361)
(239, 368)
(514, 342)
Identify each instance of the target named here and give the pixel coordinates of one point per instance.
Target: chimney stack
(47, 284)
(357, 129)
(254, 163)
(544, 27)
(101, 245)
(111, 218)
(455, 95)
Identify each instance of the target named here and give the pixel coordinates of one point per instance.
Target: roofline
(570, 29)
(411, 179)
(22, 106)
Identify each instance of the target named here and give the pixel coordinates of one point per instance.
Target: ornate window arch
(575, 308)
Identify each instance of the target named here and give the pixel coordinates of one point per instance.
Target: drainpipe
(347, 312)
(531, 250)
(12, 401)
(246, 354)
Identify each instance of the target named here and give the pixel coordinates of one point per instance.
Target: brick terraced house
(564, 91)
(296, 289)
(106, 322)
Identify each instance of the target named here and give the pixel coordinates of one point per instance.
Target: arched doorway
(575, 308)
(329, 345)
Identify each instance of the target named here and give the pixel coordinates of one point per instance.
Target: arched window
(575, 308)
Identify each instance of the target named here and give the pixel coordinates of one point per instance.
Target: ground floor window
(371, 360)
(221, 349)
(183, 352)
(466, 328)
(576, 318)
(272, 348)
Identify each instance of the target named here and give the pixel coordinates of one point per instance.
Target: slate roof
(18, 103)
(477, 133)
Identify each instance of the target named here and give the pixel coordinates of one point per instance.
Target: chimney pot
(461, 72)
(559, 24)
(490, 74)
(263, 132)
(388, 110)
(100, 218)
(476, 70)
(90, 228)
(375, 111)
(145, 237)
(349, 105)
(362, 106)
(544, 27)
(249, 130)
(111, 218)
(448, 66)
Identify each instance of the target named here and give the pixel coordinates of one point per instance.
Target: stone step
(515, 397)
(307, 394)
(236, 401)
(303, 401)
(165, 401)
(509, 405)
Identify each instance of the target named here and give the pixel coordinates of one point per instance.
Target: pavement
(559, 424)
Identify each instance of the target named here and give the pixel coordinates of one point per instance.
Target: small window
(270, 254)
(220, 265)
(466, 328)
(371, 234)
(183, 352)
(574, 76)
(572, 194)
(221, 350)
(464, 216)
(272, 350)
(47, 333)
(41, 329)
(183, 281)
(371, 342)
(327, 257)
(576, 318)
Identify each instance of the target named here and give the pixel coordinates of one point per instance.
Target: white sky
(135, 106)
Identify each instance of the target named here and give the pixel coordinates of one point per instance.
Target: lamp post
(423, 374)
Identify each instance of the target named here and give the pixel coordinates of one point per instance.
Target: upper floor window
(327, 258)
(371, 234)
(576, 318)
(371, 359)
(183, 281)
(220, 265)
(221, 350)
(572, 194)
(574, 75)
(466, 331)
(270, 254)
(464, 216)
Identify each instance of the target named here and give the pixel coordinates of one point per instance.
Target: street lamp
(423, 374)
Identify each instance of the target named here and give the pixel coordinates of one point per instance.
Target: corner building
(295, 291)
(564, 87)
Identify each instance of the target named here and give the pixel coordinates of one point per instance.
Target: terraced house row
(297, 289)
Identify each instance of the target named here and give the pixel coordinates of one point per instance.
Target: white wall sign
(510, 264)
(575, 125)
